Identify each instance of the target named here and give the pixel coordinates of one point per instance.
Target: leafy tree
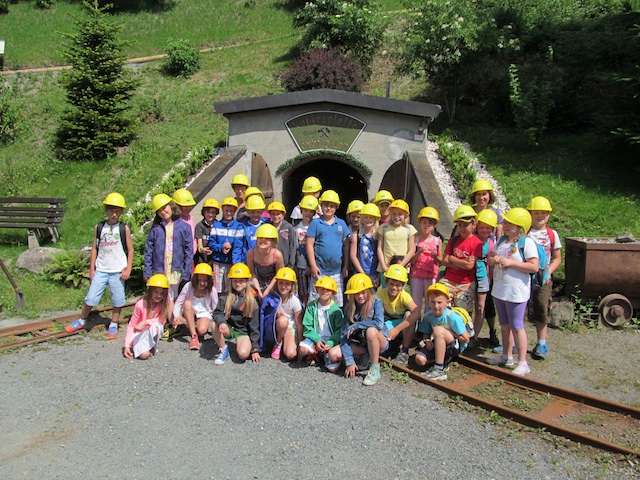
(320, 68)
(97, 119)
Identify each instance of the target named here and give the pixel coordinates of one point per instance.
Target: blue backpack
(542, 275)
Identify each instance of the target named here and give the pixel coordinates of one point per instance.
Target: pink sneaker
(194, 344)
(275, 353)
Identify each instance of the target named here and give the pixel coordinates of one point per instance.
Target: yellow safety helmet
(397, 272)
(239, 270)
(330, 196)
(251, 191)
(266, 230)
(203, 269)
(229, 202)
(520, 217)
(440, 288)
(159, 201)
(277, 206)
(400, 204)
(240, 179)
(183, 198)
(464, 212)
(370, 209)
(480, 186)
(158, 280)
(489, 217)
(211, 203)
(429, 212)
(311, 185)
(114, 199)
(309, 202)
(328, 283)
(354, 206)
(286, 273)
(383, 196)
(358, 283)
(254, 202)
(539, 203)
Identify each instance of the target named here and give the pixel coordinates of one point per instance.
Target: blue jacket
(375, 320)
(221, 232)
(268, 311)
(248, 239)
(182, 260)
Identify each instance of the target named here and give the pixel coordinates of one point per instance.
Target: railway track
(583, 418)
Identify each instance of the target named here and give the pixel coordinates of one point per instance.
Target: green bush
(45, 4)
(8, 115)
(182, 59)
(457, 160)
(4, 6)
(70, 269)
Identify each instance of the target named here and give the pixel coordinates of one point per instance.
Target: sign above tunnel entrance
(324, 130)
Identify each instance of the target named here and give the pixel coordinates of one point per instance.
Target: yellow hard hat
(383, 196)
(328, 283)
(277, 206)
(539, 203)
(520, 217)
(489, 217)
(240, 179)
(239, 270)
(159, 201)
(330, 196)
(480, 186)
(203, 269)
(254, 202)
(309, 202)
(429, 212)
(400, 204)
(266, 230)
(211, 203)
(358, 283)
(397, 272)
(354, 206)
(464, 212)
(158, 280)
(370, 209)
(249, 192)
(440, 288)
(115, 200)
(287, 274)
(230, 202)
(311, 185)
(183, 198)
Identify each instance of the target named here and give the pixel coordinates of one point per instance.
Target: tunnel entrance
(334, 174)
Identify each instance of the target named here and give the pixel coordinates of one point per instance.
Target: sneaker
(74, 326)
(435, 374)
(501, 361)
(277, 349)
(194, 344)
(373, 375)
(222, 356)
(402, 359)
(332, 367)
(363, 362)
(522, 369)
(499, 349)
(540, 351)
(494, 341)
(113, 332)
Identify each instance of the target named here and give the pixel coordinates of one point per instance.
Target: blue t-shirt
(449, 319)
(328, 241)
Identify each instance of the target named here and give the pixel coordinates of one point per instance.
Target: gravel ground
(78, 409)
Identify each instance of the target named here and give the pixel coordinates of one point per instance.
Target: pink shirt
(139, 316)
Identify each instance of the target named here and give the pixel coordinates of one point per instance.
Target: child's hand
(224, 330)
(429, 344)
(226, 247)
(255, 357)
(127, 353)
(321, 346)
(141, 326)
(316, 272)
(350, 371)
(206, 250)
(393, 333)
(125, 274)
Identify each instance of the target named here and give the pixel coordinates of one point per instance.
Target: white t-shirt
(323, 322)
(541, 237)
(511, 284)
(290, 308)
(111, 257)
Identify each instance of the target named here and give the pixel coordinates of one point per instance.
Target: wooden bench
(40, 216)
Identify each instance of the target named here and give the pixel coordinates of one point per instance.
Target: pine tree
(97, 119)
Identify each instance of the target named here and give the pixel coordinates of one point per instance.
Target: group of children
(276, 288)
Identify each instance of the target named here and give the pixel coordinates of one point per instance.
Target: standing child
(540, 209)
(396, 240)
(426, 262)
(237, 316)
(322, 324)
(110, 264)
(365, 334)
(239, 184)
(327, 248)
(447, 334)
(210, 210)
(353, 214)
(311, 186)
(383, 200)
(185, 201)
(226, 238)
(287, 243)
(364, 243)
(281, 316)
(196, 303)
(255, 207)
(308, 206)
(484, 306)
(149, 316)
(513, 260)
(482, 198)
(264, 260)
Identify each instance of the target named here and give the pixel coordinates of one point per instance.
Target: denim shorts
(483, 285)
(98, 285)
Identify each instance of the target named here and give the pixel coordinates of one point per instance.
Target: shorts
(462, 294)
(337, 297)
(392, 322)
(541, 300)
(200, 310)
(483, 285)
(99, 284)
(452, 351)
(235, 333)
(305, 281)
(307, 346)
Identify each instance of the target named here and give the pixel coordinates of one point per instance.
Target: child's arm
(177, 307)
(380, 253)
(336, 320)
(148, 253)
(136, 317)
(298, 318)
(556, 255)
(187, 245)
(311, 257)
(308, 324)
(94, 253)
(411, 247)
(345, 257)
(254, 333)
(279, 264)
(411, 319)
(126, 273)
(353, 253)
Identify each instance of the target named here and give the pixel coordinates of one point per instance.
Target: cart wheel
(615, 310)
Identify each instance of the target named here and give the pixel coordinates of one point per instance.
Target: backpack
(123, 236)
(542, 275)
(465, 317)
